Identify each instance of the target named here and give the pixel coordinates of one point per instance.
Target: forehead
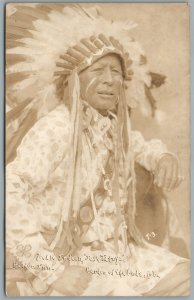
(108, 60)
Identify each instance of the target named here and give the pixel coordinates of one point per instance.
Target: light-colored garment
(36, 185)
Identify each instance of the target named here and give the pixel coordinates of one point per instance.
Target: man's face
(101, 82)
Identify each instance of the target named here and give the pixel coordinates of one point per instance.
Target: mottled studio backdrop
(163, 31)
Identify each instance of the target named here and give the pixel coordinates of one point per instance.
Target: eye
(116, 71)
(97, 69)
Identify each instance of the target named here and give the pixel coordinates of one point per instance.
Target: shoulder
(53, 126)
(55, 119)
(49, 134)
(60, 112)
(44, 146)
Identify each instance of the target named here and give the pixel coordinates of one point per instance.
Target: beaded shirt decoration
(48, 45)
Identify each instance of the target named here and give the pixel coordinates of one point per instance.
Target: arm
(147, 153)
(154, 157)
(40, 152)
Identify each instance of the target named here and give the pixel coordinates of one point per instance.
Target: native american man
(71, 185)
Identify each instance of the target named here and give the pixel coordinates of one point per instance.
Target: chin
(104, 109)
(105, 105)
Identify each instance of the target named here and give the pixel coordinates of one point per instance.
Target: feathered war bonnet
(47, 47)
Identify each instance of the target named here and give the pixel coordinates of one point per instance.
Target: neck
(104, 113)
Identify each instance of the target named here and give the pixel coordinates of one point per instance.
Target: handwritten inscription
(44, 263)
(123, 273)
(101, 258)
(35, 267)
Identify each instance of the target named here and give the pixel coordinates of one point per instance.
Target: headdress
(48, 45)
(45, 41)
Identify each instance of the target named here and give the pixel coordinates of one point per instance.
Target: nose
(107, 76)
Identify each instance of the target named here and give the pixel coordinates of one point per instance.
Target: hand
(167, 174)
(72, 282)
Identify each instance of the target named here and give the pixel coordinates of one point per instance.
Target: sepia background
(163, 31)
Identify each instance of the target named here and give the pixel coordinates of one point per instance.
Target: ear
(132, 101)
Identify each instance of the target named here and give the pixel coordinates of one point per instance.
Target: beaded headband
(85, 53)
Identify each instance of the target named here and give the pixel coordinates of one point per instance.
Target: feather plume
(39, 35)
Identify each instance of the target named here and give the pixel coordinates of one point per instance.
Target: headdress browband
(85, 53)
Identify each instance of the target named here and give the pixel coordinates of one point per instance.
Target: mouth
(106, 93)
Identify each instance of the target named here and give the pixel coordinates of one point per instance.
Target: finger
(160, 177)
(179, 176)
(168, 177)
(174, 176)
